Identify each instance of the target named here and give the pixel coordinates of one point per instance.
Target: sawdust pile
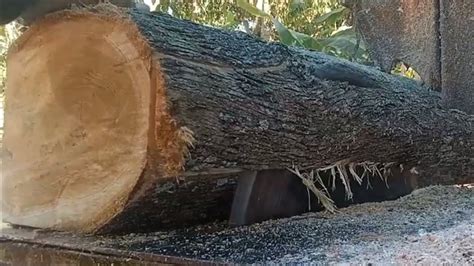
(432, 225)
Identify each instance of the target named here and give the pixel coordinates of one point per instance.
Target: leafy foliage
(318, 18)
(321, 25)
(322, 32)
(406, 71)
(3, 52)
(8, 34)
(219, 13)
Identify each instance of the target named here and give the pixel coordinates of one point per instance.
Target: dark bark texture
(434, 37)
(174, 203)
(257, 105)
(254, 105)
(401, 31)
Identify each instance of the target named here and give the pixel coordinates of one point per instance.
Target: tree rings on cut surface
(77, 121)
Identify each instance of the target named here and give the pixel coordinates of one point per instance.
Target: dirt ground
(433, 225)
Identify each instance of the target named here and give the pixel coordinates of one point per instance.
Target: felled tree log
(124, 121)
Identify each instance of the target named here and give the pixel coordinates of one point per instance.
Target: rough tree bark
(457, 56)
(434, 37)
(401, 31)
(106, 111)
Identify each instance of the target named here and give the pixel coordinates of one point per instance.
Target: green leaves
(330, 17)
(244, 4)
(343, 42)
(303, 23)
(286, 36)
(230, 21)
(346, 44)
(307, 41)
(3, 40)
(3, 50)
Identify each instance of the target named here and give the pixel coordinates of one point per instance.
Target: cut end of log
(85, 101)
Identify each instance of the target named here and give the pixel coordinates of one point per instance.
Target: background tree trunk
(107, 111)
(433, 37)
(401, 31)
(457, 56)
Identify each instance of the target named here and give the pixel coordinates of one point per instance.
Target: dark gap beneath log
(271, 194)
